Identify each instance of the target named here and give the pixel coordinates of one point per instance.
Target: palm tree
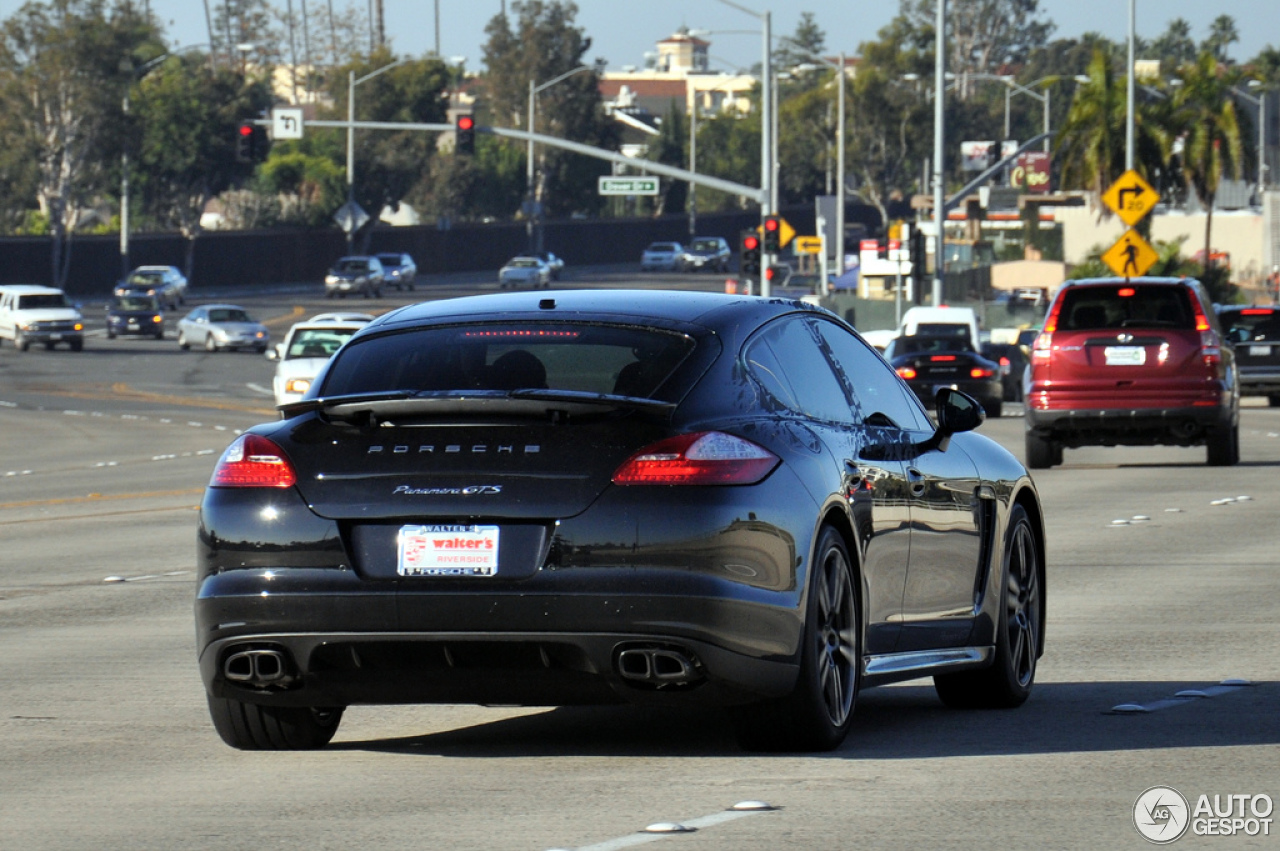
(1206, 115)
(1091, 142)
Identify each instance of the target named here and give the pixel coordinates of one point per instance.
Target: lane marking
(1183, 697)
(665, 830)
(97, 497)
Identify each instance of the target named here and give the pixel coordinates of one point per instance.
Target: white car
(30, 313)
(222, 327)
(307, 348)
(524, 270)
(663, 257)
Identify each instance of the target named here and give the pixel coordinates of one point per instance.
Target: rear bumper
(1174, 426)
(350, 641)
(1260, 382)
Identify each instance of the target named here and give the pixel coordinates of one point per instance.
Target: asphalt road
(105, 740)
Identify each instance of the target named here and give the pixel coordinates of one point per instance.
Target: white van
(30, 313)
(940, 322)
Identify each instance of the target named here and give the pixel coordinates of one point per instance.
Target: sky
(623, 30)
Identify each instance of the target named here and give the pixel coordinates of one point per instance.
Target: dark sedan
(599, 497)
(927, 363)
(136, 315)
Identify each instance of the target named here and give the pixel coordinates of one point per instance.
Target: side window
(872, 386)
(786, 359)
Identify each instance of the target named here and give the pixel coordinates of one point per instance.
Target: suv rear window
(1251, 323)
(608, 359)
(1092, 308)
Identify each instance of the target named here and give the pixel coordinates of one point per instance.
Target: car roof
(220, 307)
(564, 305)
(1084, 282)
(28, 289)
(340, 317)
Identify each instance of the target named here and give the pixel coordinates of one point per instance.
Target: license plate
(1259, 351)
(133, 324)
(448, 551)
(55, 336)
(1125, 355)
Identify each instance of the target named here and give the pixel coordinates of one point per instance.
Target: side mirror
(957, 412)
(273, 352)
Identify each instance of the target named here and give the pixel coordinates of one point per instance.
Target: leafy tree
(1212, 146)
(671, 148)
(729, 148)
(807, 41)
(1265, 67)
(540, 45)
(188, 114)
(1222, 34)
(309, 187)
(390, 163)
(61, 90)
(1175, 46)
(1091, 143)
(983, 36)
(489, 183)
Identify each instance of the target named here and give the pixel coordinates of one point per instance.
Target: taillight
(906, 373)
(979, 372)
(1210, 346)
(701, 458)
(253, 461)
(942, 358)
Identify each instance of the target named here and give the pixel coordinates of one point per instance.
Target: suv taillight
(701, 458)
(1210, 345)
(1044, 340)
(253, 461)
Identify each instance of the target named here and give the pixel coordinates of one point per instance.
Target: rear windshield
(943, 329)
(317, 342)
(351, 265)
(706, 245)
(389, 259)
(35, 302)
(1255, 323)
(136, 302)
(228, 315)
(609, 359)
(661, 247)
(1126, 306)
(917, 344)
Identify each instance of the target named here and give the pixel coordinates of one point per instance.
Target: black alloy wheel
(818, 714)
(252, 727)
(1007, 682)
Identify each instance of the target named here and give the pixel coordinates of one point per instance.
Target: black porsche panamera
(596, 497)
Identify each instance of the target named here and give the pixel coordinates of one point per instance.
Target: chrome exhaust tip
(257, 667)
(657, 666)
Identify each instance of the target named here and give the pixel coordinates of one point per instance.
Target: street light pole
(939, 137)
(352, 82)
(531, 190)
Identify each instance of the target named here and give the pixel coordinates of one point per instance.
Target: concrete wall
(1240, 234)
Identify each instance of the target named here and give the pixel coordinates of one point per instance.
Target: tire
(20, 341)
(1273, 401)
(251, 727)
(182, 341)
(817, 715)
(1222, 448)
(994, 408)
(77, 345)
(160, 334)
(1042, 453)
(111, 335)
(210, 344)
(1008, 681)
(262, 350)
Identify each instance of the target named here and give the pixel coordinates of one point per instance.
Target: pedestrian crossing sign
(1131, 256)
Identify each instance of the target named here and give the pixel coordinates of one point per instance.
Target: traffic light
(749, 254)
(464, 129)
(246, 142)
(772, 234)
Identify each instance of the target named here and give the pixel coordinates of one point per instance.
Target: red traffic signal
(246, 143)
(751, 243)
(464, 134)
(772, 234)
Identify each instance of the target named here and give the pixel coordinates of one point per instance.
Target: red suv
(1132, 362)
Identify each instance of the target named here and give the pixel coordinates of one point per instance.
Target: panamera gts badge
(469, 490)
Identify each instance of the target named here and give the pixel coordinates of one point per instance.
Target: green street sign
(628, 186)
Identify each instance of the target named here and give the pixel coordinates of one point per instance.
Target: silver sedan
(218, 327)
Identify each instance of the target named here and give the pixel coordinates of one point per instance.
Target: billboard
(1031, 171)
(976, 156)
